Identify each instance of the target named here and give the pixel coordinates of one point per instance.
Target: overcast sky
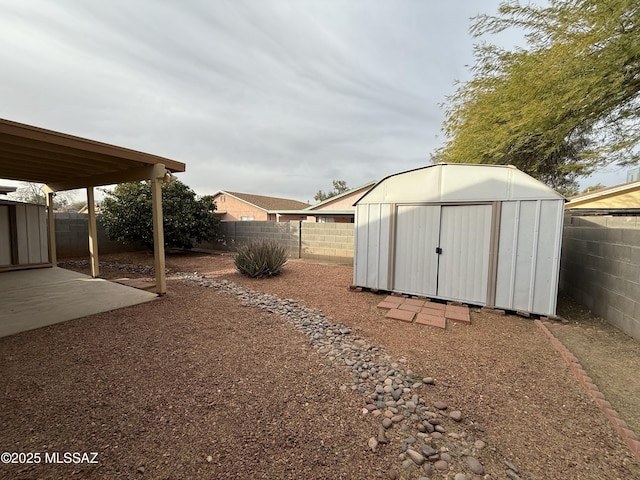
(269, 97)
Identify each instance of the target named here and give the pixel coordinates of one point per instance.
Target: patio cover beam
(131, 175)
(65, 162)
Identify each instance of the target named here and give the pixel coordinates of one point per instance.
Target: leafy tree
(126, 213)
(593, 188)
(34, 193)
(569, 190)
(339, 186)
(560, 109)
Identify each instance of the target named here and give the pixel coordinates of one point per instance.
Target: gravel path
(392, 393)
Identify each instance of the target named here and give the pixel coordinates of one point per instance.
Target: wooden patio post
(93, 234)
(158, 228)
(51, 220)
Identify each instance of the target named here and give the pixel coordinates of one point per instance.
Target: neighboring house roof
(85, 209)
(626, 195)
(4, 190)
(335, 198)
(320, 209)
(267, 203)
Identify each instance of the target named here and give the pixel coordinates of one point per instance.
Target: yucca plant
(260, 258)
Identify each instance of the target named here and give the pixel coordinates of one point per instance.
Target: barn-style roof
(458, 182)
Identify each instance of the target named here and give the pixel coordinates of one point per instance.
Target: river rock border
(392, 393)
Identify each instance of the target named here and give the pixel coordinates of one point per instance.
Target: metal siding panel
(416, 267)
(506, 255)
(525, 255)
(385, 247)
(359, 250)
(548, 257)
(44, 238)
(5, 236)
(21, 235)
(33, 233)
(362, 245)
(372, 245)
(465, 235)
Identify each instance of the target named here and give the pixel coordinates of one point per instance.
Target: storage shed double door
(443, 251)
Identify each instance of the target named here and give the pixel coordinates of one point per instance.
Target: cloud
(262, 96)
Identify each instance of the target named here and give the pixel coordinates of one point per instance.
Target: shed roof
(458, 182)
(65, 162)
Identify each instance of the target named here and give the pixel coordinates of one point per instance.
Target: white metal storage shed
(23, 235)
(480, 234)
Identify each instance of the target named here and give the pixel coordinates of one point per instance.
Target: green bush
(187, 219)
(260, 258)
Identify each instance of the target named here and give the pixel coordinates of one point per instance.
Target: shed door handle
(438, 250)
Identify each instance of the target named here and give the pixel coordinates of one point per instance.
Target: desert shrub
(260, 258)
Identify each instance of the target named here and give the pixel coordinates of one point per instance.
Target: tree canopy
(126, 214)
(562, 107)
(34, 193)
(339, 186)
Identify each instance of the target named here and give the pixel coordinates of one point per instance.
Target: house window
(246, 218)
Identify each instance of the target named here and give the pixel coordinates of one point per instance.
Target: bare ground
(196, 386)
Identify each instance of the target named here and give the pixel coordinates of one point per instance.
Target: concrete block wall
(328, 242)
(600, 267)
(72, 237)
(233, 234)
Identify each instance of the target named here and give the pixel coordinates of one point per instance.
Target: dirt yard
(195, 385)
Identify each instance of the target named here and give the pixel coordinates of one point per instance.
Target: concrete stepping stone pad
(403, 315)
(432, 320)
(457, 313)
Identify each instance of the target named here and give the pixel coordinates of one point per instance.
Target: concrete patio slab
(35, 298)
(140, 283)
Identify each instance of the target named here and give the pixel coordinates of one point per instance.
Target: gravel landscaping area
(295, 376)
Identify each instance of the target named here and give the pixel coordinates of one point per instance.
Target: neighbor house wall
(600, 267)
(236, 209)
(311, 241)
(72, 237)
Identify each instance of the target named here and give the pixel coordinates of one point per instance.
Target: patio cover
(65, 162)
